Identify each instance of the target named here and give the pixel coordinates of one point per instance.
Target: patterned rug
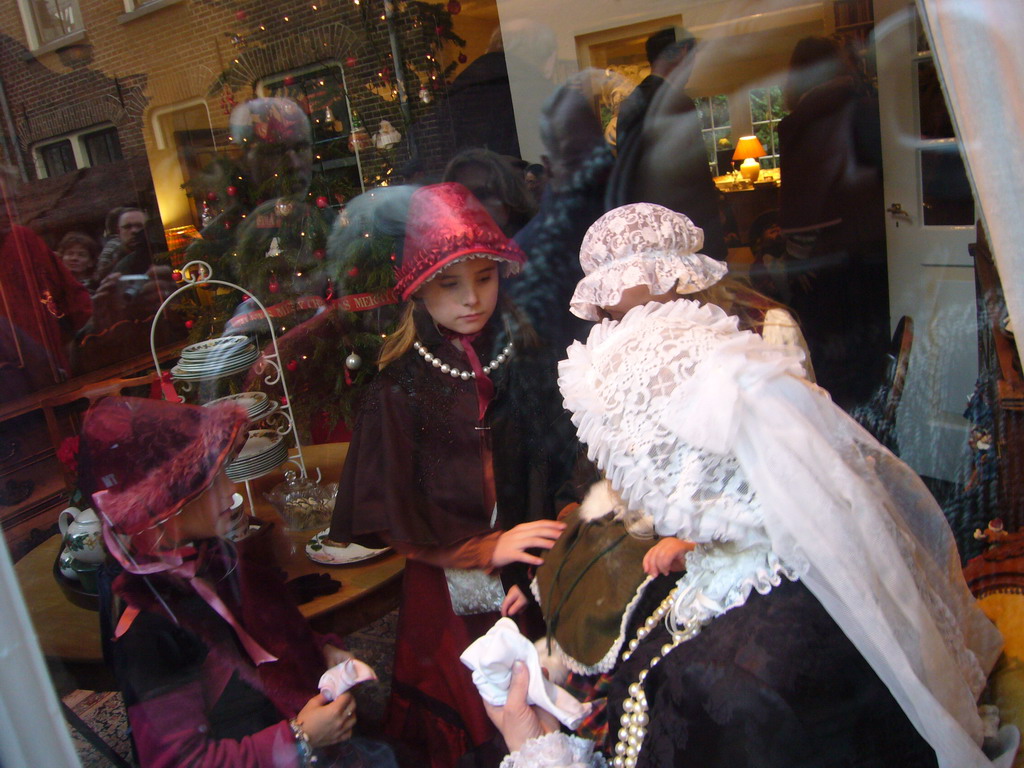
(104, 712)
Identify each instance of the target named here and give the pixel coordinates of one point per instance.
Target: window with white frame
(766, 110)
(81, 149)
(49, 20)
(714, 126)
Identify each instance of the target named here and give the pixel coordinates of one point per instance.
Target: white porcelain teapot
(82, 533)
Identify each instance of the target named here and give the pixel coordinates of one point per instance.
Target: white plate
(220, 345)
(255, 403)
(215, 371)
(260, 441)
(318, 552)
(220, 361)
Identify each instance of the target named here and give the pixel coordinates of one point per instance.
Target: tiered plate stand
(198, 274)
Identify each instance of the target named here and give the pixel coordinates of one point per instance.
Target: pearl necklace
(634, 719)
(454, 372)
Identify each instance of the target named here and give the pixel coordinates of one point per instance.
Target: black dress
(775, 684)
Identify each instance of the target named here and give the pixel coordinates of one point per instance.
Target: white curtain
(979, 50)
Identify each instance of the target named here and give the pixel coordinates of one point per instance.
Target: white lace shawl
(688, 417)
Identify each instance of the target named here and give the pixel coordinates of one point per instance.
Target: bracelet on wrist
(307, 757)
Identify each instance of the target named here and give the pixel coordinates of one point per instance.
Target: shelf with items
(851, 24)
(223, 357)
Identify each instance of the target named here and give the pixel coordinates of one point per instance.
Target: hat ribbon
(185, 569)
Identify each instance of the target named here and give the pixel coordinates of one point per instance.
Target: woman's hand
(514, 601)
(512, 544)
(328, 722)
(666, 556)
(517, 721)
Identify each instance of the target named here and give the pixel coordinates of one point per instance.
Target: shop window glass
(766, 110)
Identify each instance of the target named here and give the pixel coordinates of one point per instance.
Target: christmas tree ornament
(293, 365)
(206, 215)
(425, 95)
(188, 323)
(439, 31)
(387, 136)
(176, 275)
(289, 80)
(273, 286)
(462, 58)
(354, 272)
(211, 196)
(351, 61)
(319, 254)
(284, 207)
(454, 7)
(322, 202)
(240, 15)
(275, 248)
(353, 362)
(232, 191)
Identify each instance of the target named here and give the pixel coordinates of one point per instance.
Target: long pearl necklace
(634, 719)
(454, 372)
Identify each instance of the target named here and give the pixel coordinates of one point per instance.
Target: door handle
(896, 211)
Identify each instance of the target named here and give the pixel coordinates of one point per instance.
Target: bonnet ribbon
(186, 570)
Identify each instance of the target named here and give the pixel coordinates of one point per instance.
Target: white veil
(690, 417)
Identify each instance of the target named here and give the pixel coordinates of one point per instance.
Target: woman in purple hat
(455, 458)
(216, 665)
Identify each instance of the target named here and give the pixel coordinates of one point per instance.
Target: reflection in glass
(935, 122)
(766, 110)
(945, 191)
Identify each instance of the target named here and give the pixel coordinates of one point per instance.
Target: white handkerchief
(491, 658)
(339, 678)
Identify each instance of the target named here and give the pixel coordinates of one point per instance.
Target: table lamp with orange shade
(749, 149)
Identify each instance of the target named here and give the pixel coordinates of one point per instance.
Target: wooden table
(69, 635)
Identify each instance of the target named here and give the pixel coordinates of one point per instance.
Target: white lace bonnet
(641, 244)
(716, 435)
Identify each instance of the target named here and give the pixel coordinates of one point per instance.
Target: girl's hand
(512, 544)
(328, 722)
(514, 601)
(333, 655)
(666, 556)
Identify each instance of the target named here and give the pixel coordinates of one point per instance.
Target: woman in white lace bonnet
(823, 619)
(642, 252)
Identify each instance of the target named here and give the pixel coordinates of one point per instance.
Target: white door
(929, 225)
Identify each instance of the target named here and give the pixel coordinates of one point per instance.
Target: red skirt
(435, 709)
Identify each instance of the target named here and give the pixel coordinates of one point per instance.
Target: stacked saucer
(216, 357)
(263, 451)
(257, 405)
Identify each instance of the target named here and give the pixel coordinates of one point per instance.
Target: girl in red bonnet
(216, 665)
(459, 447)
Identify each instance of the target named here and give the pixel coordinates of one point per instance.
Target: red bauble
(322, 202)
(284, 400)
(463, 58)
(351, 61)
(289, 80)
(293, 365)
(273, 286)
(439, 30)
(176, 275)
(188, 323)
(232, 191)
(211, 196)
(354, 272)
(454, 7)
(319, 254)
(240, 15)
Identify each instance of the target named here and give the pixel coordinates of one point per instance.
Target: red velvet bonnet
(447, 224)
(151, 457)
